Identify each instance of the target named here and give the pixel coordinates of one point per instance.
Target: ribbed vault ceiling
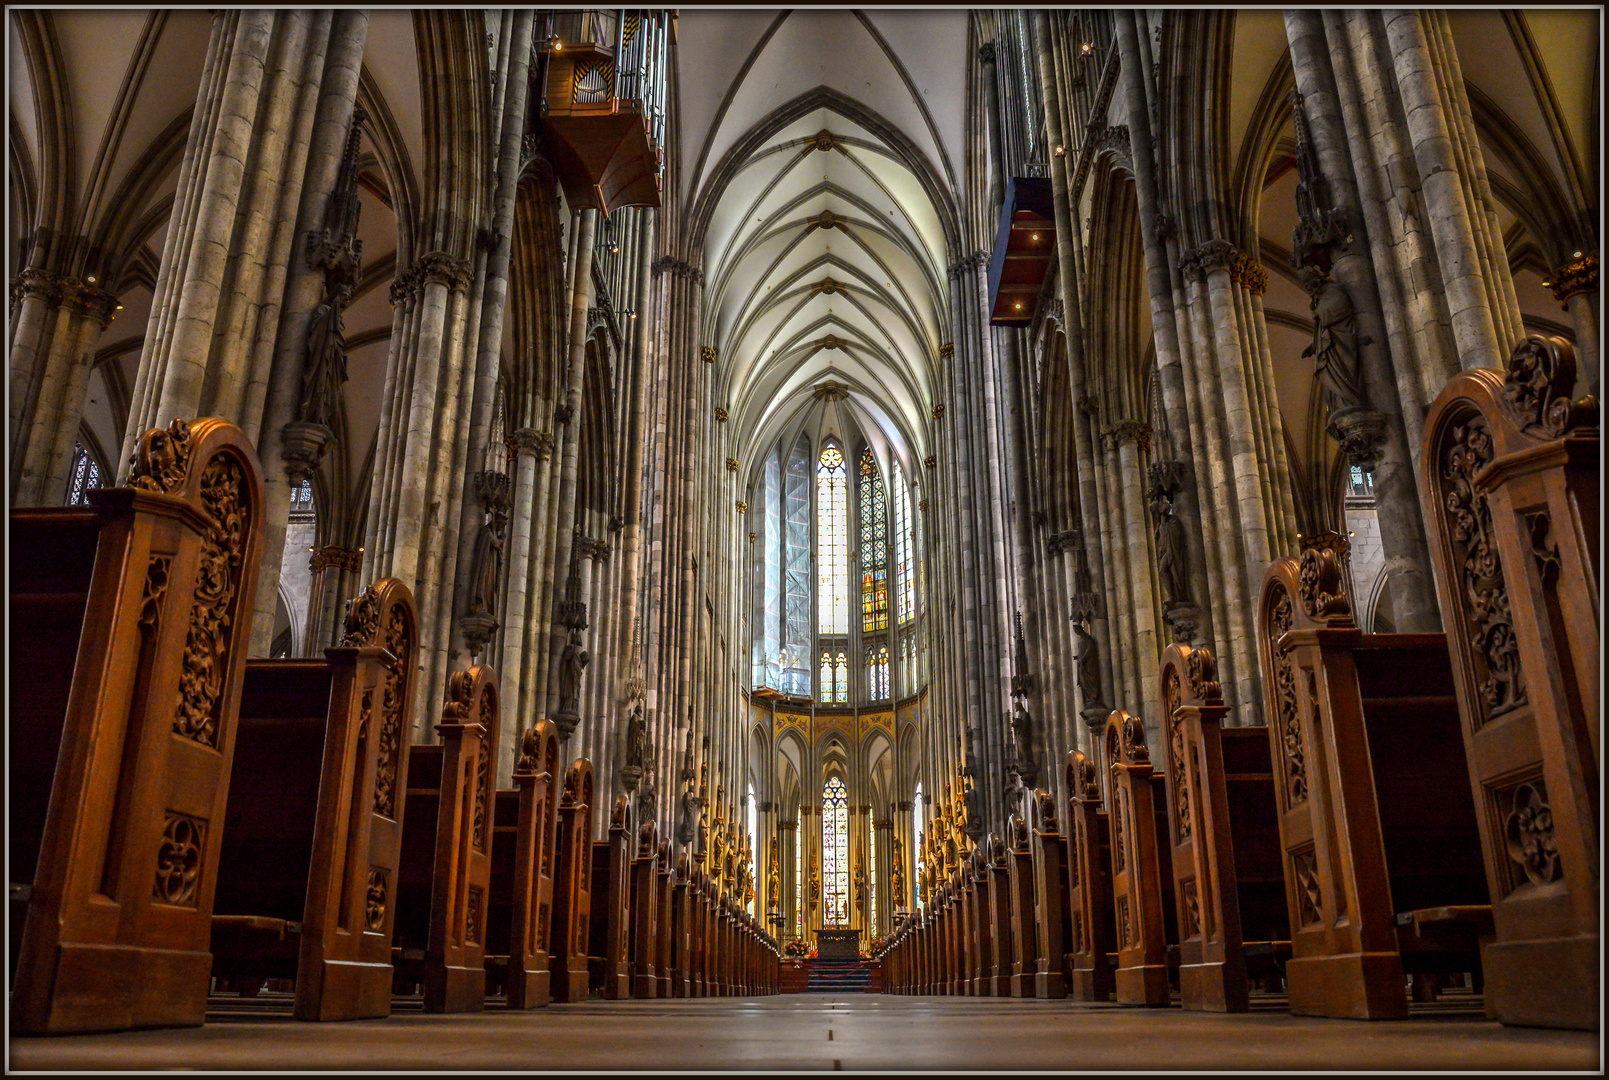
(824, 229)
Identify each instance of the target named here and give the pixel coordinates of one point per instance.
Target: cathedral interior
(1098, 508)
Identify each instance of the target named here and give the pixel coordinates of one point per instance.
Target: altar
(837, 943)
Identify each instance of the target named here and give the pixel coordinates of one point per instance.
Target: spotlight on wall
(90, 279)
(1035, 238)
(1060, 150)
(1088, 47)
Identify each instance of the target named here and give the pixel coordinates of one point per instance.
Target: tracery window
(834, 676)
(835, 851)
(916, 848)
(754, 845)
(877, 672)
(796, 598)
(83, 475)
(832, 541)
(904, 575)
(302, 501)
(871, 880)
(873, 546)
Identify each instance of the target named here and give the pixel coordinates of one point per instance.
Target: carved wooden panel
(136, 611)
(1510, 487)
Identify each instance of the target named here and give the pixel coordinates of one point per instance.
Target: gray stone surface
(832, 1032)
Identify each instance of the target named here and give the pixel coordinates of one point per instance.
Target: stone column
(85, 312)
(34, 295)
(334, 568)
(569, 413)
(1575, 284)
(1390, 453)
(531, 449)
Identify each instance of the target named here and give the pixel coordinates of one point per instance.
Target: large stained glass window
(916, 848)
(768, 657)
(83, 475)
(873, 546)
(796, 600)
(835, 851)
(904, 572)
(834, 676)
(832, 538)
(877, 672)
(871, 882)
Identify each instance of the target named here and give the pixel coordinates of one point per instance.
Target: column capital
(438, 267)
(1578, 274)
(333, 555)
(34, 283)
(532, 441)
(588, 548)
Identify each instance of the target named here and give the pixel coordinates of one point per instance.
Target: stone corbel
(302, 448)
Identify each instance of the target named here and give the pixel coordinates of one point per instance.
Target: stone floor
(829, 1032)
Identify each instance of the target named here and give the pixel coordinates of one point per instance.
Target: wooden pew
(1052, 928)
(572, 886)
(1092, 940)
(971, 908)
(308, 878)
(608, 965)
(665, 883)
(683, 897)
(1023, 910)
(521, 887)
(643, 944)
(1375, 814)
(1510, 487)
(445, 873)
(1140, 867)
(1228, 873)
(129, 626)
(998, 956)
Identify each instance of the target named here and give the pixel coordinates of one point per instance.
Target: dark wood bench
(444, 878)
(665, 956)
(1372, 794)
(682, 899)
(1092, 936)
(130, 619)
(521, 905)
(643, 905)
(609, 971)
(1223, 828)
(572, 886)
(999, 926)
(1510, 486)
(1142, 871)
(1023, 909)
(1052, 925)
(307, 878)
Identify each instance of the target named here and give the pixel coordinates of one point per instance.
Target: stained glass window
(835, 851)
(916, 849)
(302, 502)
(83, 475)
(768, 653)
(832, 536)
(796, 598)
(904, 575)
(873, 546)
(876, 672)
(834, 676)
(754, 844)
(871, 880)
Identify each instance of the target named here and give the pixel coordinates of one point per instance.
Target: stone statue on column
(572, 662)
(1022, 734)
(487, 573)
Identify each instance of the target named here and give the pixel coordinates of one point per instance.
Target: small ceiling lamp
(1060, 150)
(1088, 47)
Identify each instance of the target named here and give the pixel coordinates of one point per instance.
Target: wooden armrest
(256, 924)
(1477, 915)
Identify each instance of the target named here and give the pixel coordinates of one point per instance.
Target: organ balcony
(1023, 247)
(603, 114)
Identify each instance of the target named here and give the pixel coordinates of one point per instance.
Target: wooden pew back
(130, 621)
(1092, 935)
(445, 874)
(1137, 866)
(1052, 927)
(521, 886)
(609, 933)
(572, 885)
(308, 880)
(1510, 487)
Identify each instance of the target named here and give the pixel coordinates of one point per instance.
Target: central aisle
(826, 1032)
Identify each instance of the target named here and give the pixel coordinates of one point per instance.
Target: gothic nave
(1092, 507)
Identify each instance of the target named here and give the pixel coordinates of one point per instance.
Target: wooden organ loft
(602, 91)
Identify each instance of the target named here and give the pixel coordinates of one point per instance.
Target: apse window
(84, 474)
